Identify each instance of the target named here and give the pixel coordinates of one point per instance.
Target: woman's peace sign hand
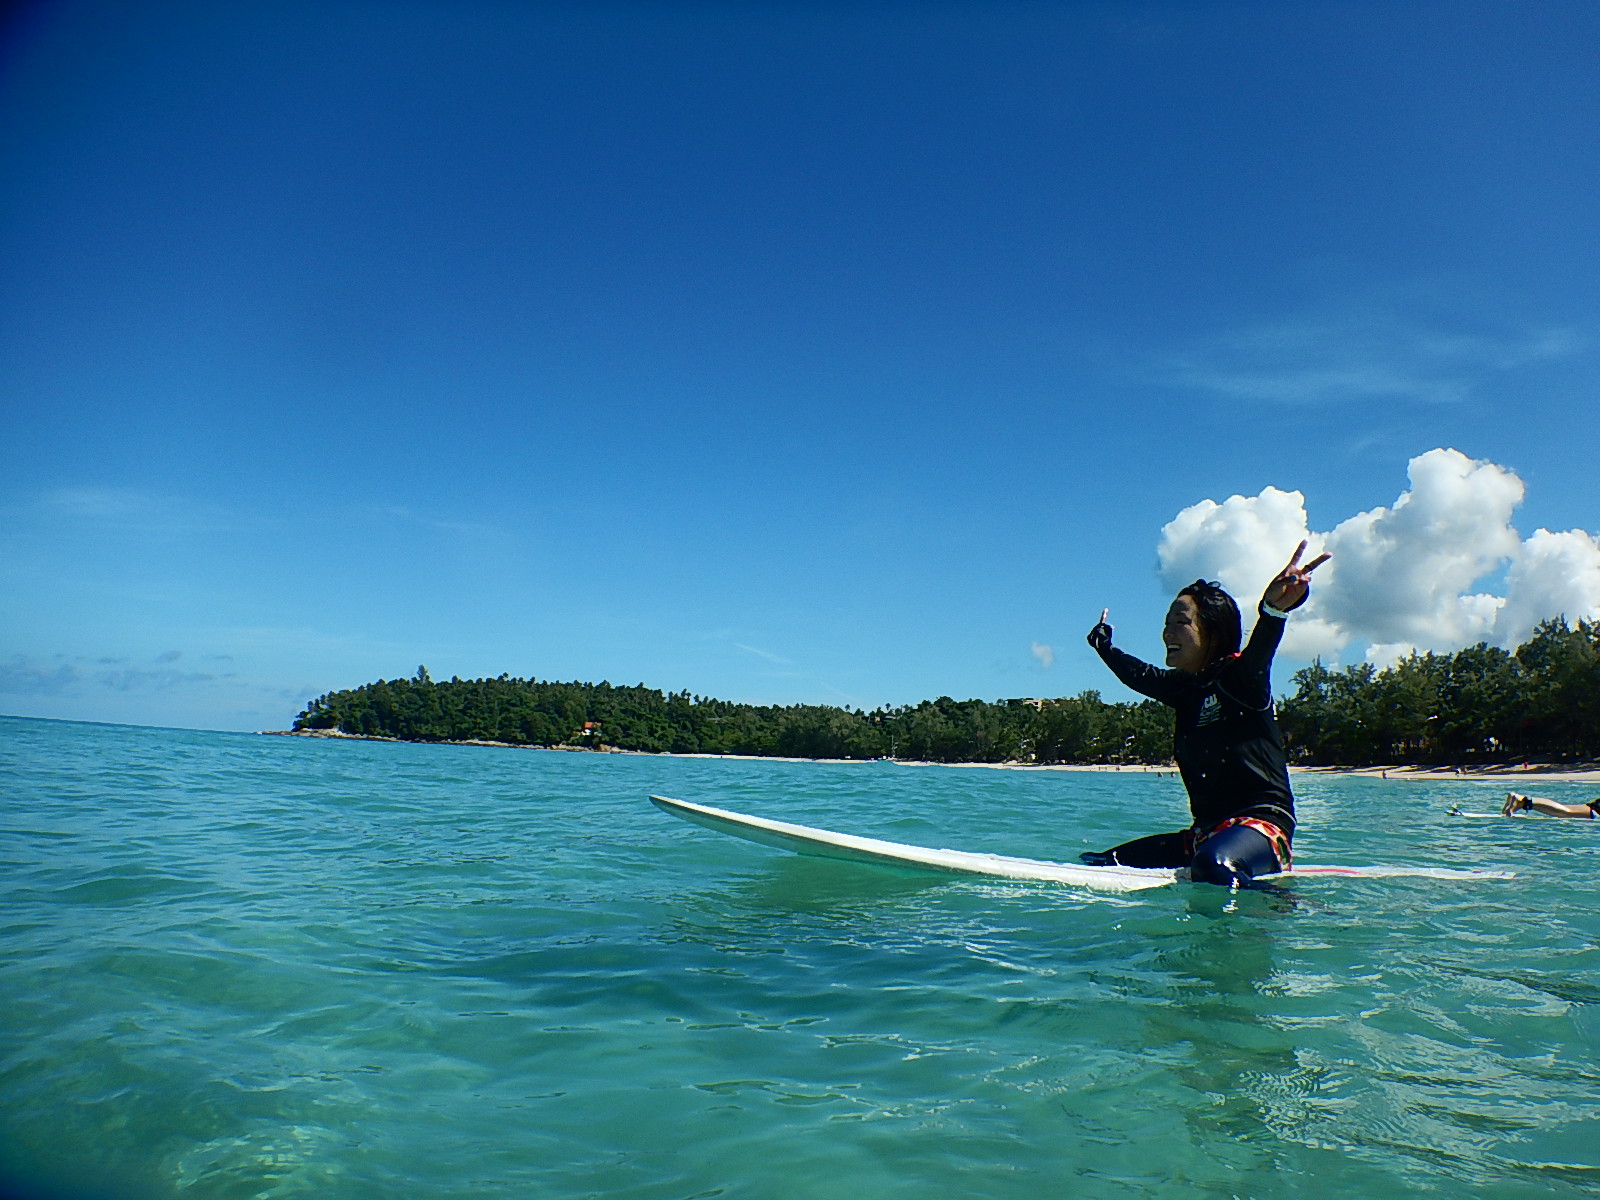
(1293, 584)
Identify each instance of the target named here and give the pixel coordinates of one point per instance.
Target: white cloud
(1241, 543)
(1555, 574)
(1404, 573)
(134, 680)
(1384, 353)
(394, 512)
(1045, 654)
(105, 503)
(766, 654)
(132, 510)
(1404, 577)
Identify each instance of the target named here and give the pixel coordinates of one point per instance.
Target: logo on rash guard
(1210, 709)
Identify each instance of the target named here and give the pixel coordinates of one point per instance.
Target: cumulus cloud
(1241, 543)
(1554, 574)
(1409, 576)
(1045, 654)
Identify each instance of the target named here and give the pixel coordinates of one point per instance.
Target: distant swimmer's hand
(1100, 635)
(1293, 584)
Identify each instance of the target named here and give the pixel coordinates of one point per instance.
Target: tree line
(1477, 705)
(1480, 705)
(533, 712)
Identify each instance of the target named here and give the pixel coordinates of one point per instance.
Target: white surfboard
(822, 843)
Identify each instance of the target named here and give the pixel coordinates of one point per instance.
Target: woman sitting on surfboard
(1227, 743)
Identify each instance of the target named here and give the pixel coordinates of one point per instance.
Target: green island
(1478, 706)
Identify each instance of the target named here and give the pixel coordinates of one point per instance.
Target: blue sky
(855, 353)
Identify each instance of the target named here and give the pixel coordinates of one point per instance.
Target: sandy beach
(1558, 772)
(1510, 775)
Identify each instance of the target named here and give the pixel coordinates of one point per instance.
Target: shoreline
(1552, 772)
(1556, 772)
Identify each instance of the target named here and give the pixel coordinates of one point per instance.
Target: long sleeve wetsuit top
(1227, 743)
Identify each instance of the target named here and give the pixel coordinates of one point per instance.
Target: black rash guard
(1227, 743)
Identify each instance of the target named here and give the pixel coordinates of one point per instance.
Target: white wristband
(1272, 612)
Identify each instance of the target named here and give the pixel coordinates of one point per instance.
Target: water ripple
(240, 966)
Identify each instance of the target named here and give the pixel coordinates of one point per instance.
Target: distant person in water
(1516, 802)
(1226, 743)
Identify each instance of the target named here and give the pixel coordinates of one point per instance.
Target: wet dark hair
(1219, 618)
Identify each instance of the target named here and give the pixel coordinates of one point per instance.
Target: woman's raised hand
(1100, 635)
(1293, 584)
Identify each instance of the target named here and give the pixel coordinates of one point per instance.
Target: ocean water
(242, 966)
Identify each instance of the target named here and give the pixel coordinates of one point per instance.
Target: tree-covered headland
(533, 712)
(1480, 705)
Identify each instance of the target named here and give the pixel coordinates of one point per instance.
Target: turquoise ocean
(244, 966)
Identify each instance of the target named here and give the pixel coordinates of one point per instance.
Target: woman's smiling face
(1183, 636)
